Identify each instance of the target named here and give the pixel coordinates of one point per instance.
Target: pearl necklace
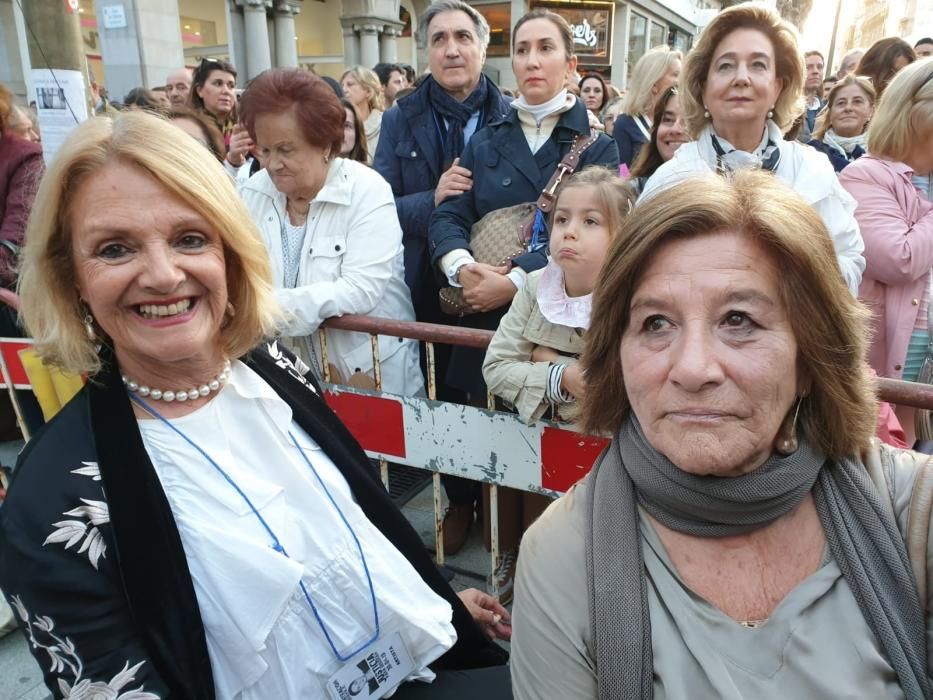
(184, 394)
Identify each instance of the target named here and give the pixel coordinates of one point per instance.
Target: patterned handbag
(506, 233)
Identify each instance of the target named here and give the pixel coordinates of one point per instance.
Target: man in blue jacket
(419, 149)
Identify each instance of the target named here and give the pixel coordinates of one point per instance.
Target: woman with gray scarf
(732, 541)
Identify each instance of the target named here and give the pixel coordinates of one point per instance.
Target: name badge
(372, 673)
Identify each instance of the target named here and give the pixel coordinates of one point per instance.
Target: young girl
(532, 360)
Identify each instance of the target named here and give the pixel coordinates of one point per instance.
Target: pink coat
(897, 226)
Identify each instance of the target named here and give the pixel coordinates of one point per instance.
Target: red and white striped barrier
(474, 443)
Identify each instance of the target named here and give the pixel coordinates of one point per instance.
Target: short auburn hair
(315, 105)
(830, 326)
(788, 62)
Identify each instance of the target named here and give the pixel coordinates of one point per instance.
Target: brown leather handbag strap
(567, 165)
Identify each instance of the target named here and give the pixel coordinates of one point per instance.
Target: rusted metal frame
(377, 378)
(325, 363)
(493, 519)
(436, 476)
(415, 330)
(901, 393)
(895, 391)
(8, 380)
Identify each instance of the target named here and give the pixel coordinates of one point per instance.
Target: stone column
(58, 31)
(236, 40)
(286, 48)
(144, 51)
(369, 45)
(270, 32)
(388, 48)
(351, 45)
(258, 55)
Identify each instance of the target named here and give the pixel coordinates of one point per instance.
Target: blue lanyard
(276, 544)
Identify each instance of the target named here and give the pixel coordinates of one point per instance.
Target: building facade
(863, 22)
(128, 43)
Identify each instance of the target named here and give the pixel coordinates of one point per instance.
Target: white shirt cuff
(517, 275)
(452, 262)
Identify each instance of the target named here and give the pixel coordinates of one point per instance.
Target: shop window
(591, 24)
(499, 16)
(658, 35)
(197, 32)
(637, 41)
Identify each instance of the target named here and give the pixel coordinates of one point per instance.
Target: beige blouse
(815, 645)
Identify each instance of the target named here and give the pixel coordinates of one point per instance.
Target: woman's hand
(596, 126)
(573, 382)
(488, 613)
(544, 354)
(240, 143)
(486, 287)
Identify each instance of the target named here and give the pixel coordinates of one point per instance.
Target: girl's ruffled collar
(556, 306)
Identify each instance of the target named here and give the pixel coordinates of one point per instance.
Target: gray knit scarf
(863, 539)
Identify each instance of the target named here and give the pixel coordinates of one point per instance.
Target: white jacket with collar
(807, 171)
(351, 263)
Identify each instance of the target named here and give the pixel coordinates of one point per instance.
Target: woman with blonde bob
(742, 90)
(362, 87)
(892, 187)
(654, 73)
(743, 525)
(196, 522)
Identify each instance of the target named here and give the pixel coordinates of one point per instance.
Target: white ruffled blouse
(263, 639)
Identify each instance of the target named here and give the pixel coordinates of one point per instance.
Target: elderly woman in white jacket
(331, 230)
(742, 89)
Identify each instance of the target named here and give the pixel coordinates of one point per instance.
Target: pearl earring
(771, 113)
(705, 112)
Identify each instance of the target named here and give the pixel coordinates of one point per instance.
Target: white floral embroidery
(64, 658)
(89, 469)
(95, 513)
(295, 368)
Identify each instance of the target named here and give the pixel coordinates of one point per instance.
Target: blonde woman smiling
(362, 87)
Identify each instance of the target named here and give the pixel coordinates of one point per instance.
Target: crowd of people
(707, 267)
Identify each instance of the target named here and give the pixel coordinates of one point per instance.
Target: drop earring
(89, 327)
(771, 112)
(787, 444)
(705, 112)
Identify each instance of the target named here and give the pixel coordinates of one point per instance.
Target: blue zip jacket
(505, 173)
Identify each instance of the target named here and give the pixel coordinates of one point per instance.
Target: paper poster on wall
(61, 106)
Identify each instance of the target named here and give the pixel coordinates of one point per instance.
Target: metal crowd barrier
(481, 444)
